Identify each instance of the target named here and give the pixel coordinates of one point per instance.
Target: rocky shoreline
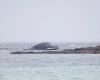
(84, 50)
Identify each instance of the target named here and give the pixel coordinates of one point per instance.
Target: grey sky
(49, 20)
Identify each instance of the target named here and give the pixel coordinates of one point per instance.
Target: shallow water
(51, 73)
(42, 60)
(49, 66)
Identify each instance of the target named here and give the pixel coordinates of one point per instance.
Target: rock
(92, 50)
(48, 48)
(98, 47)
(68, 50)
(45, 46)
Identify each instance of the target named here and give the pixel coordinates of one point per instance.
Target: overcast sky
(50, 20)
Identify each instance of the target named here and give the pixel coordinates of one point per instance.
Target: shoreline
(84, 50)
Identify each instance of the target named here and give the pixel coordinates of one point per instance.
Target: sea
(48, 66)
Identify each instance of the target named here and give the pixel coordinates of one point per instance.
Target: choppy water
(49, 66)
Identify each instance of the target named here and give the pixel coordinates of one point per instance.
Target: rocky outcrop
(45, 46)
(92, 50)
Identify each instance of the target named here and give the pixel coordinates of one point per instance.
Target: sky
(49, 20)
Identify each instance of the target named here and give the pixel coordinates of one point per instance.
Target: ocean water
(48, 66)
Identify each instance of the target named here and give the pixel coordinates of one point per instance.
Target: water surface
(48, 66)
